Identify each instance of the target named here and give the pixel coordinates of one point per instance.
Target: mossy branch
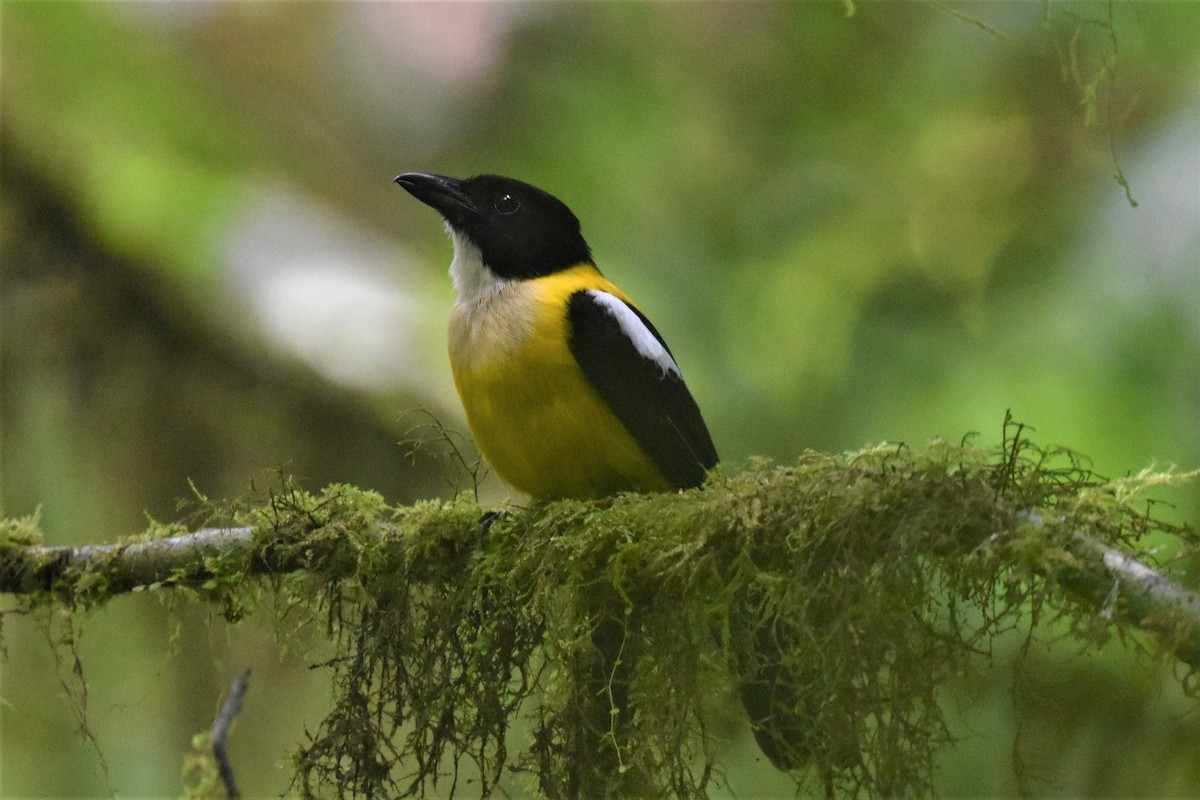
(837, 595)
(69, 573)
(1118, 585)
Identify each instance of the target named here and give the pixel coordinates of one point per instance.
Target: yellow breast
(535, 416)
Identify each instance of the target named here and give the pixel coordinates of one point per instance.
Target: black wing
(633, 370)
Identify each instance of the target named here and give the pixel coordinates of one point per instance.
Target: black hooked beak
(443, 194)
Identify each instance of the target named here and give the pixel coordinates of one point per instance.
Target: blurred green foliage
(890, 224)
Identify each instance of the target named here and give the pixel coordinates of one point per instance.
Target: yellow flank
(535, 416)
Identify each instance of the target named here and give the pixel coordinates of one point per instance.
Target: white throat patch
(472, 278)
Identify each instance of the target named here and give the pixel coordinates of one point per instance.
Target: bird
(568, 388)
(570, 393)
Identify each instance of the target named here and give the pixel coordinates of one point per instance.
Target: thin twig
(220, 731)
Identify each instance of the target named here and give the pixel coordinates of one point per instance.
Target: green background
(852, 222)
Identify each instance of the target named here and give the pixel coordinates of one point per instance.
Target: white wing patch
(647, 343)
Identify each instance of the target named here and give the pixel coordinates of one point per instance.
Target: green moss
(21, 531)
(838, 595)
(201, 774)
(594, 648)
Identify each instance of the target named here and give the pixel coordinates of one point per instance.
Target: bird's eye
(506, 203)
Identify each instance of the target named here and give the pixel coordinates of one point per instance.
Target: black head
(521, 231)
